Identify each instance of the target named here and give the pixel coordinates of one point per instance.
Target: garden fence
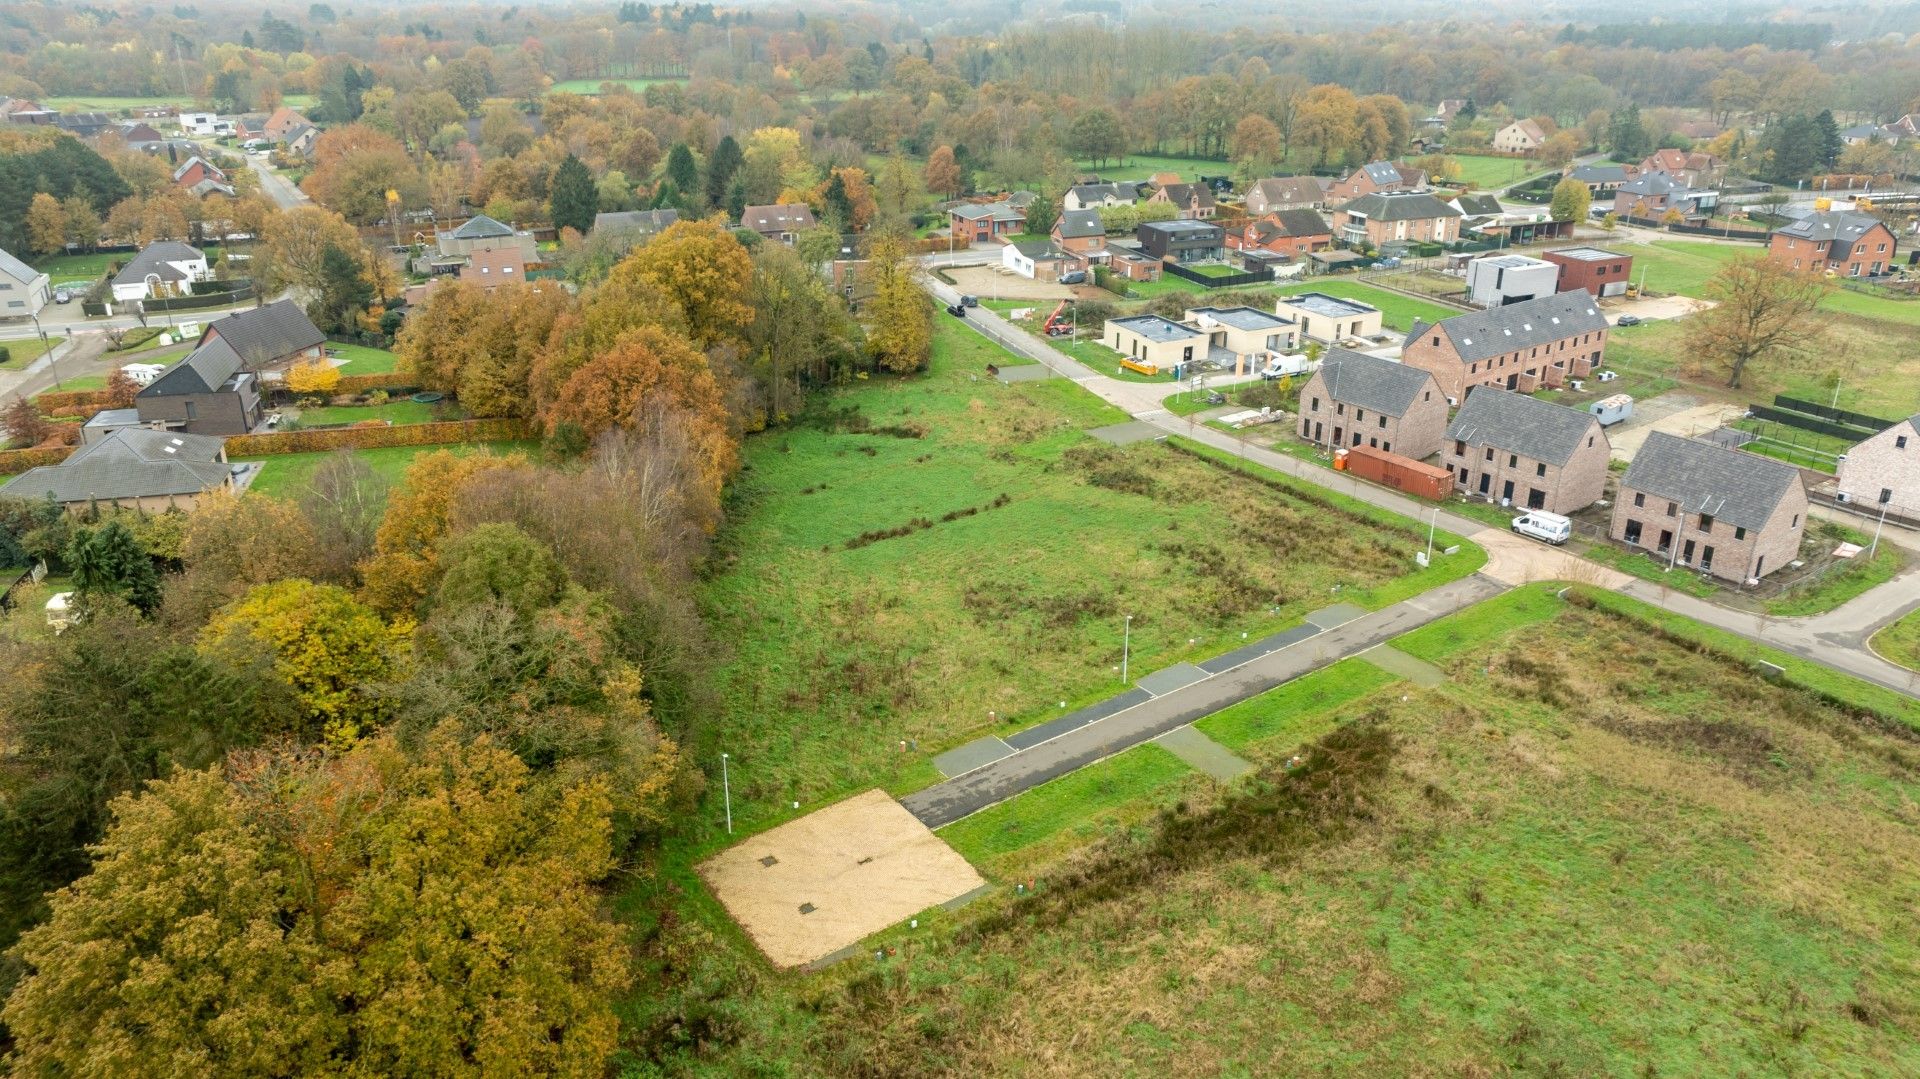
(1252, 277)
(1837, 415)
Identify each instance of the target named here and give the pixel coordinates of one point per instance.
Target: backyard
(285, 475)
(361, 360)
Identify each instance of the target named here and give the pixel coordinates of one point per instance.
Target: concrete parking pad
(814, 886)
(1204, 754)
(1074, 720)
(970, 756)
(1337, 615)
(1393, 661)
(1124, 434)
(1026, 372)
(1161, 683)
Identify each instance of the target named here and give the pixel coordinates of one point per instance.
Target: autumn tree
(900, 316)
(46, 224)
(1097, 136)
(942, 174)
(1256, 145)
(479, 345)
(704, 272)
(313, 376)
(1571, 200)
(354, 166)
(405, 563)
(342, 503)
(1560, 149)
(1326, 121)
(108, 562)
(24, 424)
(1763, 308)
(293, 245)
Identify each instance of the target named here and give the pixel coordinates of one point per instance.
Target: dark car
(956, 310)
(1073, 277)
(969, 301)
(1627, 320)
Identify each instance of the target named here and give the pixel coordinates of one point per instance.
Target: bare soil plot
(813, 886)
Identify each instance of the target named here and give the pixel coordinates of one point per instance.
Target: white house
(167, 268)
(205, 123)
(23, 289)
(1519, 137)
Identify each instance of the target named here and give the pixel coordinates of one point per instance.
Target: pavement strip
(1413, 669)
(1203, 753)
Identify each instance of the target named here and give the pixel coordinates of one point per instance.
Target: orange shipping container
(1400, 473)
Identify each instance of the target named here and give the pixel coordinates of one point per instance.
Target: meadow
(591, 87)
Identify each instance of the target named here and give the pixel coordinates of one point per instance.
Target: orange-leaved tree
(405, 565)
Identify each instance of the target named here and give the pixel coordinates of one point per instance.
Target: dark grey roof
(1183, 228)
(266, 334)
(1035, 249)
(157, 258)
(1155, 328)
(1844, 227)
(1370, 382)
(204, 370)
(797, 217)
(1599, 174)
(17, 270)
(1400, 206)
(1185, 194)
(1127, 191)
(1382, 173)
(644, 221)
(1655, 183)
(1496, 331)
(1738, 487)
(1299, 223)
(481, 227)
(1520, 424)
(1079, 224)
(130, 463)
(1481, 205)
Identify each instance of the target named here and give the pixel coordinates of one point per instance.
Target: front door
(1337, 437)
(1633, 532)
(1666, 540)
(1686, 553)
(1506, 492)
(1486, 478)
(1536, 498)
(1513, 381)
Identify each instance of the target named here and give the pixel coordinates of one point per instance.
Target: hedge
(368, 438)
(70, 398)
(17, 461)
(386, 380)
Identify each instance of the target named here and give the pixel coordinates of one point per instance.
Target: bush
(367, 438)
(313, 376)
(13, 462)
(378, 398)
(5, 354)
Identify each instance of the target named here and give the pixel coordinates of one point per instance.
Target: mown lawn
(362, 360)
(286, 474)
(398, 412)
(1485, 172)
(1397, 312)
(23, 351)
(1141, 166)
(1900, 642)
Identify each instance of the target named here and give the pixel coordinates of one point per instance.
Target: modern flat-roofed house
(166, 268)
(1843, 242)
(1734, 514)
(1248, 335)
(1599, 271)
(1329, 318)
(1278, 193)
(132, 469)
(1884, 470)
(1497, 280)
(1150, 339)
(1521, 346)
(1355, 399)
(1181, 241)
(1527, 452)
(1397, 217)
(215, 389)
(23, 289)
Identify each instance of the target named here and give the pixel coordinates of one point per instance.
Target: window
(1540, 470)
(1513, 460)
(1796, 521)
(1706, 522)
(1489, 453)
(1316, 404)
(1459, 448)
(1339, 408)
(1359, 414)
(1639, 500)
(1900, 442)
(1427, 396)
(1739, 533)
(1589, 440)
(1886, 495)
(1672, 509)
(192, 412)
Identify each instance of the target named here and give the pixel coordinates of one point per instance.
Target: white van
(1542, 525)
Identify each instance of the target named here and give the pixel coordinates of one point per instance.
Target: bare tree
(343, 503)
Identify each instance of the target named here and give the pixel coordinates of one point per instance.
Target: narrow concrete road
(1028, 768)
(275, 186)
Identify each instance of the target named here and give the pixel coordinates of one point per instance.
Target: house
(1907, 127)
(135, 468)
(629, 229)
(84, 125)
(1884, 470)
(140, 135)
(1283, 232)
(1081, 236)
(1479, 206)
(1734, 514)
(1397, 217)
(1195, 202)
(205, 123)
(1843, 242)
(215, 390)
(1374, 178)
(977, 222)
(1242, 339)
(1520, 137)
(1331, 319)
(1154, 341)
(167, 268)
(20, 110)
(1603, 179)
(1278, 193)
(1652, 194)
(1126, 260)
(1498, 280)
(283, 123)
(251, 126)
(1599, 271)
(483, 233)
(1094, 196)
(201, 177)
(1181, 241)
(1691, 167)
(300, 140)
(1445, 114)
(1031, 259)
(23, 289)
(1356, 399)
(495, 266)
(1522, 346)
(1526, 452)
(1853, 136)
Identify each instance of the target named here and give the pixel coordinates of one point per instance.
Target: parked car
(1541, 525)
(1627, 320)
(956, 310)
(969, 301)
(62, 296)
(1074, 277)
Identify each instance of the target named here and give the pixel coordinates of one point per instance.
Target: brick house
(1521, 346)
(1081, 237)
(979, 222)
(1845, 242)
(1526, 452)
(1374, 178)
(781, 223)
(1195, 202)
(215, 389)
(1397, 217)
(1356, 399)
(284, 122)
(1652, 194)
(1283, 232)
(1601, 180)
(201, 177)
(1885, 470)
(1690, 167)
(1285, 193)
(1519, 137)
(132, 468)
(1734, 514)
(495, 266)
(1599, 271)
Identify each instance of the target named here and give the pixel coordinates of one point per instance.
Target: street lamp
(46, 345)
(1126, 646)
(1875, 549)
(726, 789)
(1432, 523)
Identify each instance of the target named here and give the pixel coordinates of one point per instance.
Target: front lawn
(286, 474)
(22, 352)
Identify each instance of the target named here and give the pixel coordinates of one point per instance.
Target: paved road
(1002, 779)
(276, 187)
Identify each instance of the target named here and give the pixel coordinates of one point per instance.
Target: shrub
(366, 438)
(313, 376)
(377, 398)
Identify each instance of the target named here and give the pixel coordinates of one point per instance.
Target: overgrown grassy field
(286, 474)
(1592, 851)
(929, 551)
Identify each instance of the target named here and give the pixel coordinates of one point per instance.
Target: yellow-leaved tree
(313, 376)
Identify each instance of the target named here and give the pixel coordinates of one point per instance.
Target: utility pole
(1126, 646)
(1875, 549)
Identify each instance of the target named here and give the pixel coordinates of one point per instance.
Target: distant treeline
(1670, 37)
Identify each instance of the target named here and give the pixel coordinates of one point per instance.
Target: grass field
(402, 411)
(1396, 311)
(22, 352)
(362, 360)
(1590, 852)
(591, 87)
(1487, 172)
(286, 474)
(110, 104)
(1141, 166)
(1900, 642)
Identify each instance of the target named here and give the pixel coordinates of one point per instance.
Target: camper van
(1541, 525)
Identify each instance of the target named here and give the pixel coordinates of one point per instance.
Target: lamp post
(1432, 523)
(726, 790)
(1126, 646)
(46, 345)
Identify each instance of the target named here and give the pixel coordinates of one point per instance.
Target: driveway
(275, 186)
(994, 282)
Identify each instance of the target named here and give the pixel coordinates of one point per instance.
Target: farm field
(1589, 851)
(286, 474)
(591, 87)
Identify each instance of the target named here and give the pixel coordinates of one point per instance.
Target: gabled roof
(1123, 191)
(213, 170)
(1655, 183)
(1382, 173)
(1740, 488)
(1669, 159)
(1530, 129)
(983, 211)
(1400, 206)
(1841, 228)
(1188, 194)
(1479, 335)
(1599, 174)
(796, 217)
(1296, 223)
(1520, 424)
(1481, 205)
(1370, 382)
(643, 221)
(481, 227)
(1307, 189)
(129, 463)
(204, 370)
(160, 259)
(265, 334)
(18, 270)
(1080, 224)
